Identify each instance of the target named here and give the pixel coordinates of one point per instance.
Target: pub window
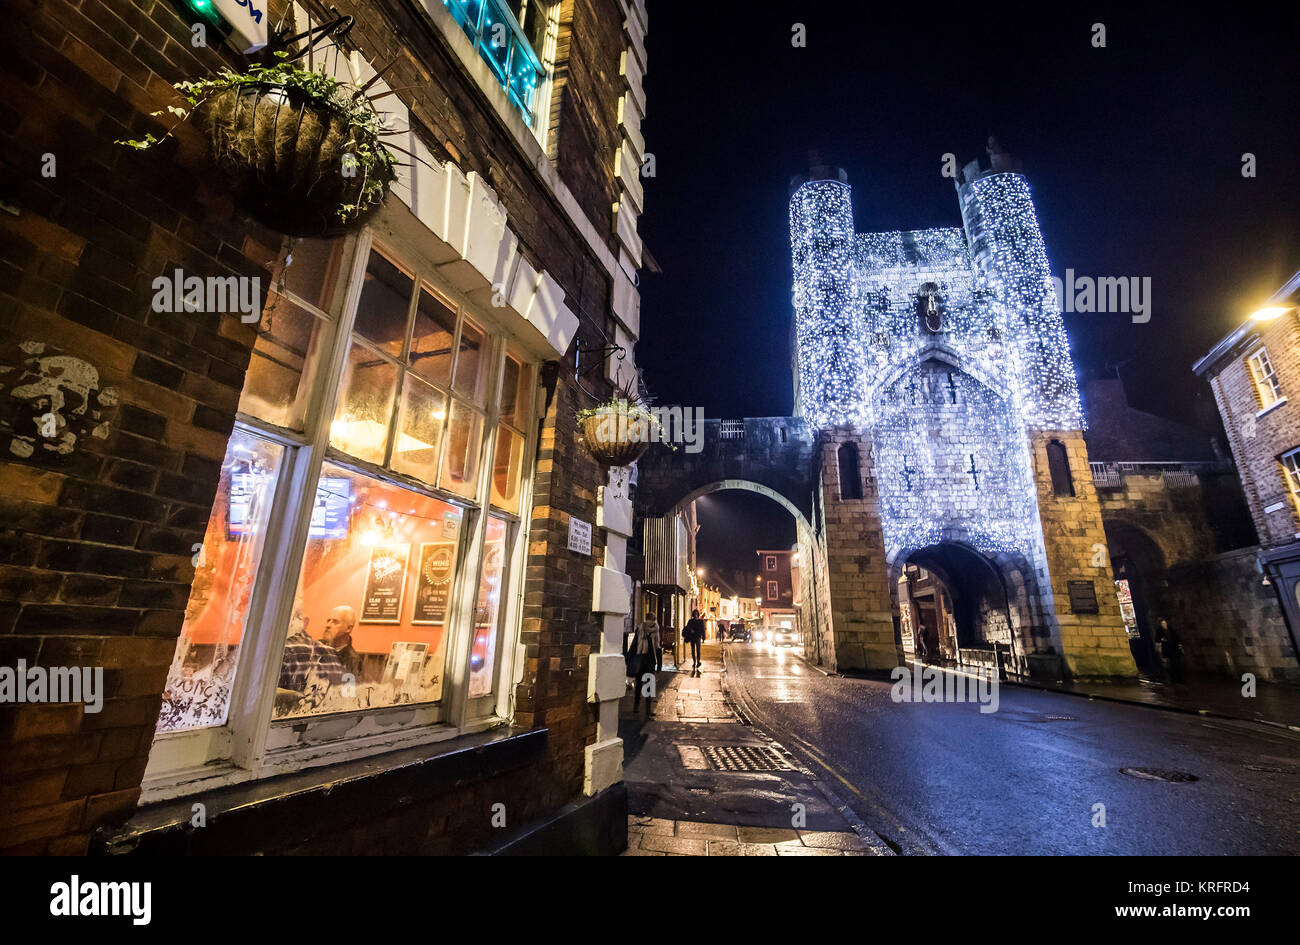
(850, 481)
(1058, 464)
(401, 595)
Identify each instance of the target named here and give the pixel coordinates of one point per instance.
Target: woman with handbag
(641, 657)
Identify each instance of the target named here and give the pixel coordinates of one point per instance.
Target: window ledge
(1271, 407)
(271, 813)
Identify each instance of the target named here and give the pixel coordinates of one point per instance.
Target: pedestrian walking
(693, 633)
(642, 657)
(1171, 648)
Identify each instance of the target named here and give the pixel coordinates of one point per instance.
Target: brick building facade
(168, 479)
(1252, 372)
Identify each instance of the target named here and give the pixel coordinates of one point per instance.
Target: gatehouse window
(1058, 464)
(850, 481)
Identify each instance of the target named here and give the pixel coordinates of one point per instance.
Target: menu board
(433, 585)
(385, 584)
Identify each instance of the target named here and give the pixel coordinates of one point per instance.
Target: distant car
(738, 631)
(758, 635)
(784, 636)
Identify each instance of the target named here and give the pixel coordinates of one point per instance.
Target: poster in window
(385, 584)
(433, 587)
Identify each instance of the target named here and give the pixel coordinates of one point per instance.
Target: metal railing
(731, 430)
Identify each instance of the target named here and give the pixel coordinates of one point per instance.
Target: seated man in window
(308, 664)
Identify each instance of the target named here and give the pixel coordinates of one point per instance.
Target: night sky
(1133, 153)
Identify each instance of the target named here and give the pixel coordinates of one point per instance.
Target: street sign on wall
(248, 22)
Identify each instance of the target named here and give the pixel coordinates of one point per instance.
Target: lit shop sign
(247, 19)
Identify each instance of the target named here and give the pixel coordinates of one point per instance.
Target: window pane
(369, 625)
(385, 299)
(365, 409)
(288, 348)
(203, 670)
(431, 341)
(471, 363)
(315, 272)
(516, 392)
(506, 468)
(483, 651)
(460, 464)
(496, 38)
(419, 430)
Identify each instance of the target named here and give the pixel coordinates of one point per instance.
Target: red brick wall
(96, 543)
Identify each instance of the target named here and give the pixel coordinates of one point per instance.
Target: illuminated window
(1266, 382)
(772, 591)
(202, 673)
(412, 394)
(509, 36)
(769, 562)
(400, 541)
(1291, 468)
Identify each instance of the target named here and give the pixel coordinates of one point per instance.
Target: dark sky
(733, 525)
(1133, 153)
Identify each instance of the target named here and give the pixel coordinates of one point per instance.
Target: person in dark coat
(642, 655)
(693, 633)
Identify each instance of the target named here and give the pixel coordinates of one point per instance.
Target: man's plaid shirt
(302, 655)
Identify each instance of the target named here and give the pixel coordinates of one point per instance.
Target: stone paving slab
(654, 836)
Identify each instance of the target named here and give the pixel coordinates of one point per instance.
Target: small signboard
(433, 585)
(385, 584)
(1083, 597)
(579, 536)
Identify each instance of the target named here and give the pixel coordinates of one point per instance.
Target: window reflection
(202, 673)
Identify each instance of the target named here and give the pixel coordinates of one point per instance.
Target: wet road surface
(945, 778)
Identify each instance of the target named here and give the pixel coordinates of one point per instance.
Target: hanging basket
(615, 435)
(300, 164)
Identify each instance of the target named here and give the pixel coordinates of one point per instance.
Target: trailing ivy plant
(375, 163)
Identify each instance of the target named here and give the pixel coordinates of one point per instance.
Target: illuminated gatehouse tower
(958, 514)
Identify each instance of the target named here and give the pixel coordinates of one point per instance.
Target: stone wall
(1229, 619)
(1074, 544)
(861, 625)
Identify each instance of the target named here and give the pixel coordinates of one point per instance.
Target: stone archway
(814, 589)
(988, 599)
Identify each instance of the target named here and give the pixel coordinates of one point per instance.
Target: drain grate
(1159, 774)
(745, 758)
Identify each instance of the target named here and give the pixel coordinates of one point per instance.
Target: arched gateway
(936, 469)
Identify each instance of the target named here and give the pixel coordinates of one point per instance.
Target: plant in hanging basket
(302, 148)
(618, 430)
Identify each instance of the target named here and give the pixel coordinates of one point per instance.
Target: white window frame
(1290, 462)
(252, 744)
(1267, 387)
